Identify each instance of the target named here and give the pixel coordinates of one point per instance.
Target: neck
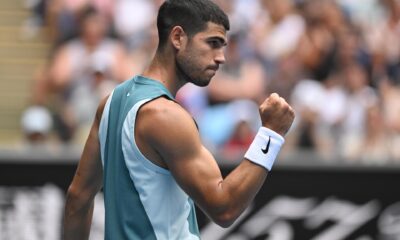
(162, 68)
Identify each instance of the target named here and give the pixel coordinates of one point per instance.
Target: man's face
(200, 58)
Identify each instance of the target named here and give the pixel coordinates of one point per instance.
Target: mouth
(214, 68)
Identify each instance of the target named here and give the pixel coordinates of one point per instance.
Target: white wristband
(265, 148)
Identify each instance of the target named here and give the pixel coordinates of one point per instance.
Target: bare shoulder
(163, 112)
(166, 125)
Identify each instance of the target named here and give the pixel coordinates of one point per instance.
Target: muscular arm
(85, 184)
(173, 135)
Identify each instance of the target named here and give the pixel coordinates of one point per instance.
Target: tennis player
(145, 151)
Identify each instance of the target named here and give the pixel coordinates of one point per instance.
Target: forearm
(86, 183)
(240, 187)
(77, 218)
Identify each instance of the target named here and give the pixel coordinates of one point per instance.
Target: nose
(220, 56)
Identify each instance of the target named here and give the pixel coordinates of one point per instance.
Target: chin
(202, 82)
(205, 82)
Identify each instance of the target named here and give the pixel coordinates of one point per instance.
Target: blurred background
(337, 62)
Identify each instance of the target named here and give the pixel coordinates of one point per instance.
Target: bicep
(177, 141)
(198, 174)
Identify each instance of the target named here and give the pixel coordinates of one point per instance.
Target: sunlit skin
(193, 59)
(166, 135)
(198, 61)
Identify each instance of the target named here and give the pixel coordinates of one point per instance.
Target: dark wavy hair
(191, 15)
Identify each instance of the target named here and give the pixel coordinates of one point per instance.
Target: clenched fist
(276, 114)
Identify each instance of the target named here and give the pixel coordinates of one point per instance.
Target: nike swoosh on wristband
(265, 151)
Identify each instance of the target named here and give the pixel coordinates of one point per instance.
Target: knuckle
(274, 96)
(283, 105)
(275, 101)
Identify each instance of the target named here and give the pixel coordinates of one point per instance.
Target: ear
(178, 37)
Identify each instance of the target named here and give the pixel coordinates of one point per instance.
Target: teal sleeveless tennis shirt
(142, 200)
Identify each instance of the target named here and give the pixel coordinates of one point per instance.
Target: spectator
(375, 146)
(36, 123)
(330, 57)
(390, 93)
(320, 108)
(278, 31)
(72, 72)
(134, 31)
(383, 39)
(62, 16)
(360, 97)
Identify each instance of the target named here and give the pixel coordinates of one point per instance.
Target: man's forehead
(214, 30)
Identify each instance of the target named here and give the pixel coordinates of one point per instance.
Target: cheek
(190, 65)
(199, 54)
(205, 55)
(191, 61)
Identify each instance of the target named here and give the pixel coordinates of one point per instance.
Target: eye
(215, 43)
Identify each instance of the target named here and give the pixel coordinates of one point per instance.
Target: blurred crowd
(336, 61)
